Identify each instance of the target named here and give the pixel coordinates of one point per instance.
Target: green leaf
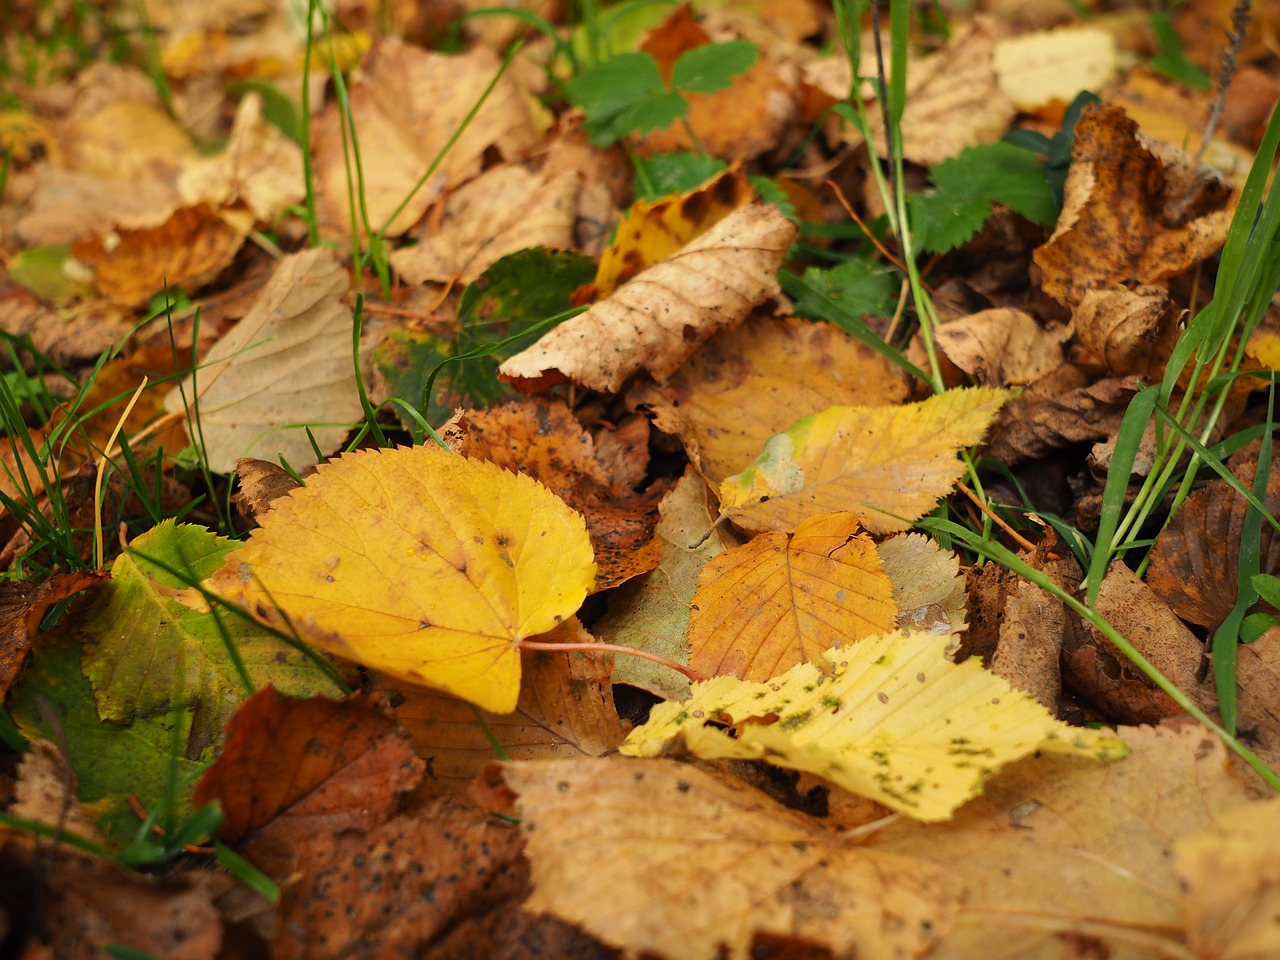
(965, 188)
(1268, 588)
(656, 113)
(859, 286)
(145, 652)
(679, 172)
(609, 91)
(1172, 60)
(110, 760)
(712, 67)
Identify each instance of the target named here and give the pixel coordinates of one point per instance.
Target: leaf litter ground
(712, 452)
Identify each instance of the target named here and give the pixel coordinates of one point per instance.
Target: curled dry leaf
(425, 565)
(288, 362)
(783, 599)
(1001, 347)
(890, 718)
(886, 465)
(1133, 209)
(661, 858)
(1130, 331)
(656, 320)
(22, 607)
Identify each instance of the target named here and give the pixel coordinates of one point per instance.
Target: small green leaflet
(966, 186)
(713, 67)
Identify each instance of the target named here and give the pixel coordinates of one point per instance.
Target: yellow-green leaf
(424, 565)
(890, 718)
(886, 465)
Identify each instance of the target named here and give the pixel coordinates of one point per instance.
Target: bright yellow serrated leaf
(892, 719)
(886, 465)
(784, 599)
(425, 565)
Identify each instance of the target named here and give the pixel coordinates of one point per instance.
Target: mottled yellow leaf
(890, 718)
(424, 565)
(784, 599)
(886, 465)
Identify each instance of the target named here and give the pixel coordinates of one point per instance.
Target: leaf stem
(691, 674)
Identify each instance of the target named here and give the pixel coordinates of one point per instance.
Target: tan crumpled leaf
(953, 99)
(1061, 852)
(1230, 884)
(1001, 347)
(406, 105)
(890, 718)
(259, 167)
(783, 599)
(887, 465)
(656, 320)
(503, 210)
(1130, 331)
(660, 858)
(746, 384)
(1035, 69)
(287, 362)
(1133, 209)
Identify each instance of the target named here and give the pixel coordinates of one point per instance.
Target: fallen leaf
(427, 566)
(890, 718)
(187, 251)
(294, 770)
(285, 365)
(73, 905)
(406, 105)
(504, 210)
(1133, 209)
(886, 465)
(1001, 347)
(1036, 69)
(928, 588)
(46, 792)
(746, 384)
(22, 607)
(655, 321)
(145, 652)
(1060, 852)
(783, 599)
(1258, 676)
(661, 858)
(1129, 331)
(1229, 882)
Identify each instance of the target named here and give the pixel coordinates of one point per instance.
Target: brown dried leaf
(655, 321)
(23, 606)
(1196, 560)
(1134, 209)
(1258, 678)
(1229, 880)
(47, 792)
(292, 770)
(696, 866)
(786, 598)
(1129, 331)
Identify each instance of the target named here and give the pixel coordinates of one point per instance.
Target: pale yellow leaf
(890, 718)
